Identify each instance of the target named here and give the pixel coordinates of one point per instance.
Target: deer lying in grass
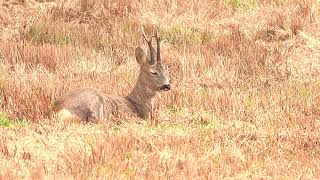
(88, 104)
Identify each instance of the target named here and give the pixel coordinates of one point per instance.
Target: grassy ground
(244, 101)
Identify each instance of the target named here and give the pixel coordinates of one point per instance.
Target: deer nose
(165, 87)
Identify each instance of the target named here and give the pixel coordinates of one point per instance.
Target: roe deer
(88, 104)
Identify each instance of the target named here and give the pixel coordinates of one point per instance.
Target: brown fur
(88, 104)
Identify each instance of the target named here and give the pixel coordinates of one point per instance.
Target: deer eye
(154, 73)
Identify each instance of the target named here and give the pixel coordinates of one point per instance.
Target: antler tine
(149, 42)
(155, 34)
(144, 35)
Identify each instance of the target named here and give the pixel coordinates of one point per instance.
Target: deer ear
(140, 56)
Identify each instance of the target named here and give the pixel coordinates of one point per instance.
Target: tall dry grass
(244, 103)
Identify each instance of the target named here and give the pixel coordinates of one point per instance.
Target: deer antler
(155, 34)
(144, 35)
(149, 42)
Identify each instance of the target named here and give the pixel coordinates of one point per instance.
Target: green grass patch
(206, 120)
(172, 128)
(7, 122)
(102, 45)
(253, 4)
(250, 102)
(175, 109)
(4, 121)
(53, 33)
(181, 34)
(243, 4)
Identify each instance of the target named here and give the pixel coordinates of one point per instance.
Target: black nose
(165, 87)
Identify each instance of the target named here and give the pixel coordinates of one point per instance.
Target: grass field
(244, 103)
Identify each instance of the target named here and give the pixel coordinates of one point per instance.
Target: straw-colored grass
(244, 103)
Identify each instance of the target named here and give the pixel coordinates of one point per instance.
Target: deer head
(152, 72)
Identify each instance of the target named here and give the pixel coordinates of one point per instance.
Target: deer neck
(141, 97)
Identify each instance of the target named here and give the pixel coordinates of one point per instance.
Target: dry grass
(245, 100)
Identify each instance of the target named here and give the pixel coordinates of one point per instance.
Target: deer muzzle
(165, 87)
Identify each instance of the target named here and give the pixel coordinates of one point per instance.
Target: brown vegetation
(244, 101)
